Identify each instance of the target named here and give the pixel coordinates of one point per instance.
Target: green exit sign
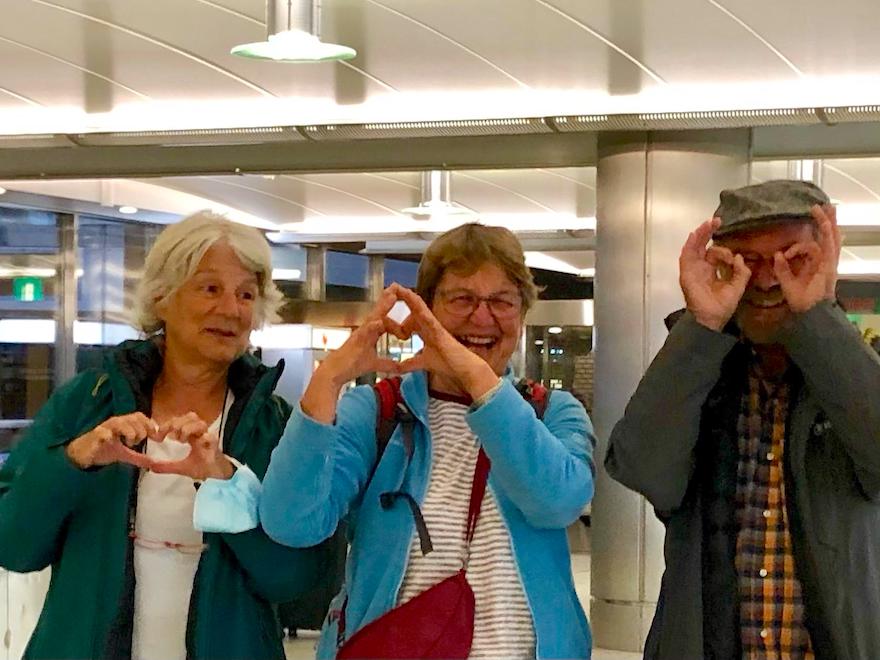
(27, 289)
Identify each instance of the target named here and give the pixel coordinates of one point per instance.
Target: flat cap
(765, 204)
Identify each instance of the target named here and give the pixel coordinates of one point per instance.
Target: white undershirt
(503, 626)
(164, 576)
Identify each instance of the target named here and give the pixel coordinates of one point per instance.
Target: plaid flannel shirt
(771, 602)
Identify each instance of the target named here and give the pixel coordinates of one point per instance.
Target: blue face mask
(230, 506)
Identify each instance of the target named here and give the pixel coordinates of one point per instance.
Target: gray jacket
(832, 466)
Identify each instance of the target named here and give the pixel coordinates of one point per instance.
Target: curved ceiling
(80, 65)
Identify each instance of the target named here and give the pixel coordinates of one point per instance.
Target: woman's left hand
(443, 355)
(204, 461)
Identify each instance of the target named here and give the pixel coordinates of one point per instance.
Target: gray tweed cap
(768, 203)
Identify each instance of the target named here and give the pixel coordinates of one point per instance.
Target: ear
(160, 307)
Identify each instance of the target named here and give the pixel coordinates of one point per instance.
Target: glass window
(29, 245)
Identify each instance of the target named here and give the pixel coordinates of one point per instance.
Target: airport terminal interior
(600, 131)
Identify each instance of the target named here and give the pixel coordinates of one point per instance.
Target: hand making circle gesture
(712, 279)
(815, 279)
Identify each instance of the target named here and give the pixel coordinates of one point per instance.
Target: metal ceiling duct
(293, 35)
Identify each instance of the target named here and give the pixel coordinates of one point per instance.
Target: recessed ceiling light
(128, 210)
(554, 330)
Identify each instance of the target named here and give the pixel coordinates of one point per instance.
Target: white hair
(176, 254)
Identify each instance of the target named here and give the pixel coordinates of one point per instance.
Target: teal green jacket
(53, 514)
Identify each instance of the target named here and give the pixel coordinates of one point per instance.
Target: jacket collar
(134, 365)
(414, 388)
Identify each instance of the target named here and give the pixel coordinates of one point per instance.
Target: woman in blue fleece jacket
(474, 290)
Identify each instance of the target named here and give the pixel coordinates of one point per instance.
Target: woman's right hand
(357, 356)
(111, 442)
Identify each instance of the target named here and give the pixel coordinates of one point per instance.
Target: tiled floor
(303, 648)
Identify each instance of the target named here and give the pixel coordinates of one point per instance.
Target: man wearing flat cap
(755, 434)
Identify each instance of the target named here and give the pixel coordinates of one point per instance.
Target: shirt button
(770, 456)
(764, 633)
(767, 513)
(763, 572)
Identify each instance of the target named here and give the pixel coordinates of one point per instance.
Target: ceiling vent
(293, 35)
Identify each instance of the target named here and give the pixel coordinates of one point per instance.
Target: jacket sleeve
(651, 449)
(318, 470)
(276, 572)
(544, 467)
(39, 486)
(844, 375)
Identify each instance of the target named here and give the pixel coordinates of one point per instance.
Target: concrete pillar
(653, 189)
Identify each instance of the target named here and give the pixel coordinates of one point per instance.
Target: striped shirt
(503, 626)
(772, 618)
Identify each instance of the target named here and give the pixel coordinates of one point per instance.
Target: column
(653, 189)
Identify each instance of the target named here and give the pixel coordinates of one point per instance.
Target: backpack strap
(391, 411)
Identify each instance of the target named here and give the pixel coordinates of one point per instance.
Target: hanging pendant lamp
(293, 28)
(437, 197)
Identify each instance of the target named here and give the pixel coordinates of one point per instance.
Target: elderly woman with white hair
(101, 488)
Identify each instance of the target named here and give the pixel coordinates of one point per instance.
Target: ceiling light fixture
(128, 210)
(293, 30)
(437, 198)
(2, 190)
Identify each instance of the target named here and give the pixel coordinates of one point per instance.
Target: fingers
(386, 366)
(132, 429)
(182, 467)
(421, 318)
(695, 245)
(722, 259)
(741, 275)
(782, 269)
(136, 458)
(386, 301)
(393, 327)
(416, 363)
(184, 428)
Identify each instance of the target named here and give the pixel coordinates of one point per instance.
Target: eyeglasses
(464, 303)
(183, 548)
(754, 261)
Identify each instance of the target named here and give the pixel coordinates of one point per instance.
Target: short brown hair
(465, 249)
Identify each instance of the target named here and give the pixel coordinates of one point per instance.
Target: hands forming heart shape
(112, 442)
(443, 354)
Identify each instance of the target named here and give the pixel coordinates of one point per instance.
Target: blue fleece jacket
(541, 476)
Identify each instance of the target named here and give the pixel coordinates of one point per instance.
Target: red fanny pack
(439, 622)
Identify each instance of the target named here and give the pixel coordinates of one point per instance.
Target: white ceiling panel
(818, 37)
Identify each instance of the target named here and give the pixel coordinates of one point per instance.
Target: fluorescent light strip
(546, 262)
(333, 225)
(42, 331)
(858, 215)
(286, 274)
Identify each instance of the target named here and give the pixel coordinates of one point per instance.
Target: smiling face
(763, 308)
(492, 329)
(211, 315)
